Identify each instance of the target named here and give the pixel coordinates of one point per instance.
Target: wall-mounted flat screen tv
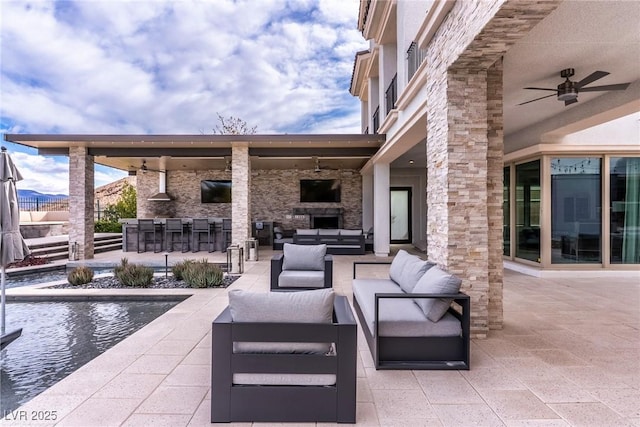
(215, 191)
(320, 190)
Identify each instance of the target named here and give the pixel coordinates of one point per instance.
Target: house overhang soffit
(380, 16)
(188, 152)
(359, 77)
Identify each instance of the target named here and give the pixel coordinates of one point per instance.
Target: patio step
(59, 249)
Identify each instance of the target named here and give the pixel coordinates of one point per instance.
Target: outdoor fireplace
(325, 222)
(322, 217)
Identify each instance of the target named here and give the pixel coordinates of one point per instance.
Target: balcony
(376, 120)
(415, 57)
(391, 95)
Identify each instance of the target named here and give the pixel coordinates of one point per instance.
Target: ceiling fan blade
(540, 88)
(619, 86)
(538, 99)
(570, 101)
(596, 75)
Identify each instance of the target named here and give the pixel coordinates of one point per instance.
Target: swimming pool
(36, 277)
(59, 337)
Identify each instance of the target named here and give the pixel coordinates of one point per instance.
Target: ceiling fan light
(567, 96)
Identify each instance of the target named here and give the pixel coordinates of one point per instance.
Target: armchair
(284, 357)
(301, 267)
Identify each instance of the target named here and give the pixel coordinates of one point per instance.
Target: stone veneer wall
(184, 188)
(464, 134)
(274, 194)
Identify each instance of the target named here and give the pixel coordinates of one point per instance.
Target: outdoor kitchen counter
(130, 238)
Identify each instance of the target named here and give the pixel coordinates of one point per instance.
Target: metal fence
(44, 204)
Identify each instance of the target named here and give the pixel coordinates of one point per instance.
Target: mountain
(36, 194)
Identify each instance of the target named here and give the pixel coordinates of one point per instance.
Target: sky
(169, 67)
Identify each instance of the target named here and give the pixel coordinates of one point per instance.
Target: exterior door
(401, 215)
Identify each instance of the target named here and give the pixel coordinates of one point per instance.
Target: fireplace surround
(322, 217)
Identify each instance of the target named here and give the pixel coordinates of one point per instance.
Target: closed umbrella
(12, 245)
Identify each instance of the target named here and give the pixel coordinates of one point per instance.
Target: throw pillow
(413, 271)
(397, 265)
(286, 307)
(303, 257)
(436, 281)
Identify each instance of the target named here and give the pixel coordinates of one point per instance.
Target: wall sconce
(227, 167)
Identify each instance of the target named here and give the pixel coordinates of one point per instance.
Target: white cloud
(170, 66)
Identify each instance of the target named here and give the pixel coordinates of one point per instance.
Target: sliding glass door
(625, 210)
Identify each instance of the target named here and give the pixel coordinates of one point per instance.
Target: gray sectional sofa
(338, 241)
(415, 319)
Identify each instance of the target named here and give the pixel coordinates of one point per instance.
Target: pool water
(59, 337)
(34, 278)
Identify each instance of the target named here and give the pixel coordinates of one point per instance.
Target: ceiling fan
(568, 90)
(144, 168)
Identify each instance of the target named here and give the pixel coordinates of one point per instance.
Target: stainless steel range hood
(161, 195)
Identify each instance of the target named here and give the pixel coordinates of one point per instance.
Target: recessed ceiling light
(410, 162)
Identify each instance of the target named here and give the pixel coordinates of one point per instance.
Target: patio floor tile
(100, 412)
(153, 364)
(447, 389)
(493, 379)
(391, 380)
(130, 386)
(408, 406)
(470, 415)
(173, 400)
(589, 415)
(517, 405)
(625, 401)
(558, 390)
(190, 375)
(156, 420)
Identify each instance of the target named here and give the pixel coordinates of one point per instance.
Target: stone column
(240, 193)
(495, 183)
(381, 203)
(81, 199)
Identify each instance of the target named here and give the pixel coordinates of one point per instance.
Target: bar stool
(148, 228)
(200, 226)
(226, 233)
(175, 226)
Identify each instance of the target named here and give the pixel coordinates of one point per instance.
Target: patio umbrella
(12, 245)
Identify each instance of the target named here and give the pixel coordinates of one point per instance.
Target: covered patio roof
(188, 152)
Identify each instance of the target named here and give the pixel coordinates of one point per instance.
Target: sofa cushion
(287, 307)
(436, 281)
(301, 279)
(307, 231)
(328, 231)
(350, 232)
(303, 257)
(414, 269)
(397, 265)
(398, 317)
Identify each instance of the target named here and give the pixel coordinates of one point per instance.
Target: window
(576, 210)
(625, 210)
(506, 213)
(528, 211)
